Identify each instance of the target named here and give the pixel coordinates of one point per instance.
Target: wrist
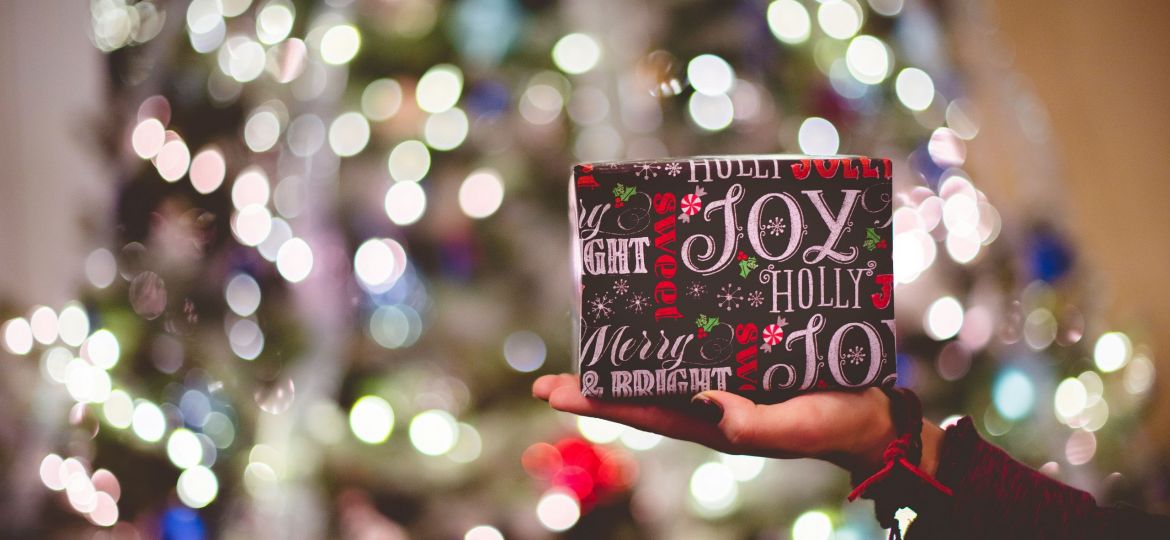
(863, 452)
(932, 438)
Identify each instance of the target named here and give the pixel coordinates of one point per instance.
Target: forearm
(996, 496)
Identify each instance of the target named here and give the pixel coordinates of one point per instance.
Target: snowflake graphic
(855, 355)
(621, 286)
(639, 302)
(729, 297)
(601, 306)
(755, 298)
(645, 171)
(696, 289)
(673, 169)
(774, 226)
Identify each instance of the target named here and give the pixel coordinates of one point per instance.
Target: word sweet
(665, 267)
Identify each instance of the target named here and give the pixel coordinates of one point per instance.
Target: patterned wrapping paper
(767, 276)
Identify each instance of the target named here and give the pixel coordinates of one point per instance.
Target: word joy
(700, 255)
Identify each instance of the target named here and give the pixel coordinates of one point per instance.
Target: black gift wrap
(767, 276)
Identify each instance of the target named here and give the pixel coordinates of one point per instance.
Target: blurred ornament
(148, 295)
(1049, 255)
(660, 74)
(277, 397)
(484, 30)
(84, 420)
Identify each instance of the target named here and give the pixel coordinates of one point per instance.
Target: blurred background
(286, 269)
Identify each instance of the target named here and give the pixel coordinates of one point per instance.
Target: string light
(789, 21)
(371, 419)
(481, 193)
(439, 88)
(576, 53)
(339, 44)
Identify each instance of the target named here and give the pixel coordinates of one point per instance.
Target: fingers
(656, 419)
(544, 386)
(741, 417)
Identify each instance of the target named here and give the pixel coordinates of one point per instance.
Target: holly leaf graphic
(871, 239)
(706, 323)
(746, 266)
(624, 192)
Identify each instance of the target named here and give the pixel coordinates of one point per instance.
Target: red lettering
(746, 333)
(850, 169)
(665, 266)
(669, 312)
(748, 366)
(664, 203)
(882, 299)
(802, 169)
(827, 168)
(665, 229)
(665, 292)
(867, 169)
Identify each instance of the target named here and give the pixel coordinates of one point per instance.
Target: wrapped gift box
(767, 276)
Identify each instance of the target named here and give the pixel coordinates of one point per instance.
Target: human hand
(849, 429)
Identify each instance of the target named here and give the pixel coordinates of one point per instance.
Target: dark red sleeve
(998, 497)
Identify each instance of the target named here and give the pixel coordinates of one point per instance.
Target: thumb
(739, 419)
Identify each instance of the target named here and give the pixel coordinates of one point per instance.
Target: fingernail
(706, 408)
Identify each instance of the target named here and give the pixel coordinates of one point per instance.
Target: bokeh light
(944, 318)
(558, 510)
(18, 337)
(1013, 394)
(446, 130)
(339, 44)
(524, 351)
(433, 432)
(197, 487)
(405, 203)
(789, 21)
(294, 260)
(207, 170)
(839, 19)
(184, 448)
(439, 88)
(242, 294)
(409, 161)
(812, 525)
(1112, 351)
(481, 193)
(818, 137)
(599, 430)
(348, 134)
(868, 59)
(483, 532)
(712, 113)
(713, 487)
(914, 88)
(371, 419)
(710, 74)
(576, 53)
(148, 422)
(102, 349)
(381, 99)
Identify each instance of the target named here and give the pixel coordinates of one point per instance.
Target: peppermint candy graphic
(774, 334)
(691, 204)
